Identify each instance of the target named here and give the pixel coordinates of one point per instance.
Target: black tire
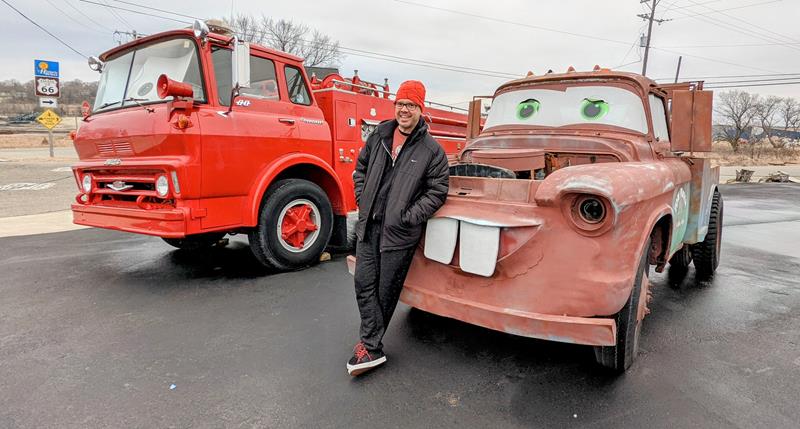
(195, 242)
(706, 253)
(273, 250)
(619, 357)
(679, 265)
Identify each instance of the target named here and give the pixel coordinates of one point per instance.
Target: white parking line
(27, 186)
(62, 169)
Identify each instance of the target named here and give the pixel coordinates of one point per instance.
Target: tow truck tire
(706, 253)
(679, 265)
(294, 225)
(195, 242)
(619, 357)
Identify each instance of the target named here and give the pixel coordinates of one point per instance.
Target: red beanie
(412, 90)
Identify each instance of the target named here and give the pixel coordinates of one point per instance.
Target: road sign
(45, 68)
(49, 119)
(48, 102)
(47, 87)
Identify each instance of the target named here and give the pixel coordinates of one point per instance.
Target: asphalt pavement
(107, 329)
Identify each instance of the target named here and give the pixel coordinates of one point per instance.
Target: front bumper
(592, 331)
(565, 329)
(167, 223)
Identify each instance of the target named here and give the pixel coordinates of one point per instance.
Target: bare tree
(767, 116)
(736, 109)
(789, 112)
(288, 36)
(247, 28)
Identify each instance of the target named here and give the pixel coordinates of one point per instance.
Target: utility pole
(678, 71)
(649, 17)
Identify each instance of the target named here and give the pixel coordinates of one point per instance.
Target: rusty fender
(623, 184)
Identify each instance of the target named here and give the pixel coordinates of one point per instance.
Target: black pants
(379, 279)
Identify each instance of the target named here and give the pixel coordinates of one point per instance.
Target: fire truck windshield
(558, 107)
(130, 79)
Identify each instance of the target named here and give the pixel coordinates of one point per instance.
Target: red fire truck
(195, 135)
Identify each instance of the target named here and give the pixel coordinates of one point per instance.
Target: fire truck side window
(263, 83)
(298, 92)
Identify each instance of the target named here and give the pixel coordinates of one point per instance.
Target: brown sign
(47, 86)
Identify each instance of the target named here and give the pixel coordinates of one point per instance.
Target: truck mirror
(241, 64)
(474, 119)
(690, 121)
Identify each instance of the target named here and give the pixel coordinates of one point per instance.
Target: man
(400, 180)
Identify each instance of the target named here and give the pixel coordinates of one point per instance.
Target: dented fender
(623, 184)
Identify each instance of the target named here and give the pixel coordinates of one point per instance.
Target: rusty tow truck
(557, 209)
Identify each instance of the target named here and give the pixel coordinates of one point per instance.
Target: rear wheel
(706, 253)
(196, 241)
(294, 225)
(679, 265)
(619, 357)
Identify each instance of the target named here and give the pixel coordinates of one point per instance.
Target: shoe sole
(361, 368)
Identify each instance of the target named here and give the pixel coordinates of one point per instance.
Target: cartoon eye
(593, 110)
(527, 108)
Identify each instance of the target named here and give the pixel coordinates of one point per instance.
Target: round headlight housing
(86, 183)
(590, 214)
(162, 186)
(591, 210)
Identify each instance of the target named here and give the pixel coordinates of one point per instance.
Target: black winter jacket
(419, 188)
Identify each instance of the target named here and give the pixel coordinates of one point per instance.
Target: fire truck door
(240, 144)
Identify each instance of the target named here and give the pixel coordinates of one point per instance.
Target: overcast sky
(717, 38)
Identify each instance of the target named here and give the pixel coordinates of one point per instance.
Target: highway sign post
(49, 119)
(47, 87)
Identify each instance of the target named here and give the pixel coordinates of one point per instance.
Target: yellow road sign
(49, 119)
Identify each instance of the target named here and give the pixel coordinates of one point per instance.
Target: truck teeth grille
(114, 149)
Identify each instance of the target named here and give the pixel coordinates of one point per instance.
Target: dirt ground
(30, 140)
(761, 155)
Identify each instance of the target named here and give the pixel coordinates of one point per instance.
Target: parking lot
(107, 329)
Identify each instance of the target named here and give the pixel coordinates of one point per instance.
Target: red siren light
(596, 67)
(530, 73)
(570, 69)
(168, 87)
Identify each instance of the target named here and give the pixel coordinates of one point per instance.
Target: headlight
(86, 183)
(162, 186)
(591, 210)
(590, 214)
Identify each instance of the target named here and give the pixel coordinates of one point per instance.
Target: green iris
(527, 108)
(592, 110)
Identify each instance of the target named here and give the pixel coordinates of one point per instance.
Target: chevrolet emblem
(113, 161)
(119, 186)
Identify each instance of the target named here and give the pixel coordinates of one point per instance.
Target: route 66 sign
(47, 87)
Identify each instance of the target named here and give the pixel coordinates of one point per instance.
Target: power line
(748, 23)
(134, 11)
(754, 84)
(754, 80)
(519, 24)
(733, 76)
(738, 29)
(352, 51)
(573, 34)
(87, 16)
(155, 9)
(120, 18)
(719, 10)
(67, 15)
(44, 29)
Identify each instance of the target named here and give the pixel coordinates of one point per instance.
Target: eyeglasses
(410, 106)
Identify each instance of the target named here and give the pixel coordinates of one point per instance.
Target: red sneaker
(364, 360)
